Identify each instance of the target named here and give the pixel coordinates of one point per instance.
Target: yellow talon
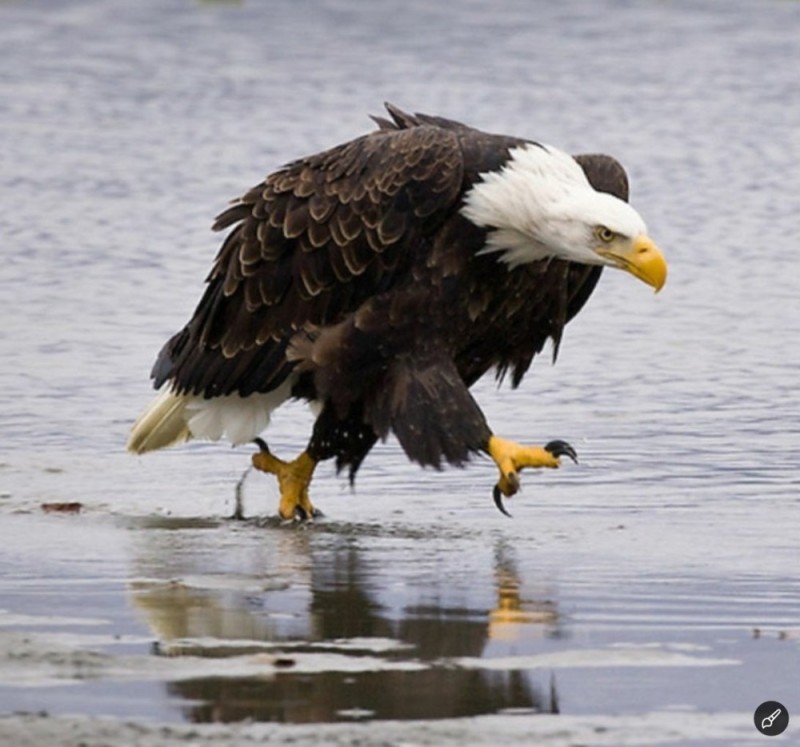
(293, 480)
(511, 457)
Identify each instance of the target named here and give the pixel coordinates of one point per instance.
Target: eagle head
(541, 205)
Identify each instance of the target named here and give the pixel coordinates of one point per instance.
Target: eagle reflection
(329, 593)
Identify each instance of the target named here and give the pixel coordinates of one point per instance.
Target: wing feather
(308, 246)
(316, 239)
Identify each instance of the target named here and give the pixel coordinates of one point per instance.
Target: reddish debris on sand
(63, 508)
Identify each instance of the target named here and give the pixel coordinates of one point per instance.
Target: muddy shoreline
(554, 731)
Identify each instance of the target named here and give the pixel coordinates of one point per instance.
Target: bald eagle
(379, 280)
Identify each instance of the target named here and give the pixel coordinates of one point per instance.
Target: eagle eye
(606, 235)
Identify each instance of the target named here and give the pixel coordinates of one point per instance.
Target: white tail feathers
(162, 424)
(175, 418)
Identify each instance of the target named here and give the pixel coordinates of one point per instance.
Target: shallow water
(660, 574)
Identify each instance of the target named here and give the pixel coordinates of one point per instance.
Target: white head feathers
(540, 204)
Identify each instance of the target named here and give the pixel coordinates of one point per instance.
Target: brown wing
(307, 246)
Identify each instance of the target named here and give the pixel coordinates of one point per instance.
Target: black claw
(301, 515)
(560, 448)
(262, 444)
(498, 501)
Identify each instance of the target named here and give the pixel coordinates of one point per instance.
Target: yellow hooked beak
(640, 257)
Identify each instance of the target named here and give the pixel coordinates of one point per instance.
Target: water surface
(658, 577)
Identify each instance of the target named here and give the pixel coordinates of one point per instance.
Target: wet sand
(349, 630)
(653, 729)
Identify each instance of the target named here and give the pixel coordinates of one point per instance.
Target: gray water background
(125, 127)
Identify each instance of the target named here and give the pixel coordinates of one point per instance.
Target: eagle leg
(294, 479)
(511, 458)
